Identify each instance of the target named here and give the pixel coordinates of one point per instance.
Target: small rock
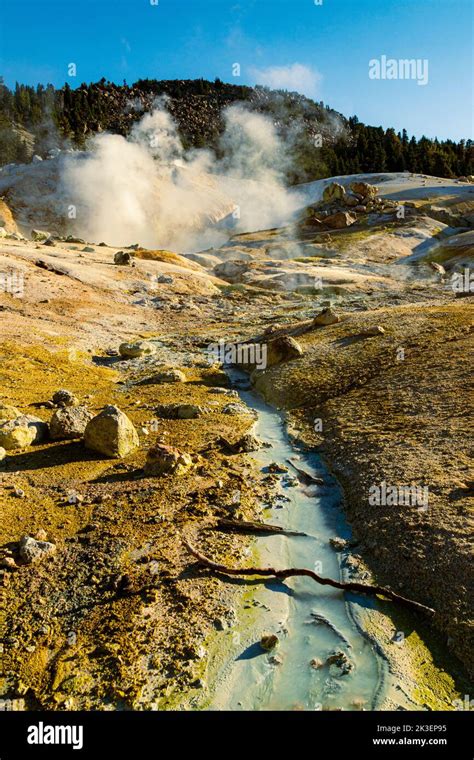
(269, 641)
(32, 550)
(316, 663)
(326, 317)
(333, 192)
(163, 459)
(438, 268)
(41, 535)
(275, 660)
(246, 444)
(123, 258)
(8, 562)
(165, 279)
(40, 235)
(374, 330)
(69, 423)
(339, 220)
(179, 411)
(111, 433)
(88, 249)
(341, 661)
(339, 544)
(3, 453)
(134, 350)
(364, 189)
(168, 376)
(8, 412)
(234, 408)
(278, 468)
(64, 397)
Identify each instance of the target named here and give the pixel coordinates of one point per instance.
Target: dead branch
(358, 588)
(305, 477)
(252, 526)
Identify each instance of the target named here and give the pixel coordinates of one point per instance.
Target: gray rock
(69, 423)
(123, 258)
(32, 550)
(234, 408)
(64, 397)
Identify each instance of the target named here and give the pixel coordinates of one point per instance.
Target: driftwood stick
(358, 588)
(252, 526)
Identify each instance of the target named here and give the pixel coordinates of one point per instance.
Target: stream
(323, 660)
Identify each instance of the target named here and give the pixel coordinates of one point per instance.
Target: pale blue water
(250, 680)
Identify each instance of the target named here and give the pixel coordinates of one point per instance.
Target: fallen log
(252, 526)
(270, 572)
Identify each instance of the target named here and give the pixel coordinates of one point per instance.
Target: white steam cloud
(147, 189)
(295, 78)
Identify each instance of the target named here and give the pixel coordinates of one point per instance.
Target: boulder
(364, 189)
(134, 350)
(22, 432)
(64, 397)
(283, 349)
(123, 258)
(8, 412)
(111, 433)
(333, 192)
(163, 460)
(326, 317)
(69, 423)
(32, 550)
(339, 220)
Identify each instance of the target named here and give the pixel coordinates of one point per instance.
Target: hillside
(323, 142)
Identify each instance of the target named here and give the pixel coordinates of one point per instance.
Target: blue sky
(322, 50)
